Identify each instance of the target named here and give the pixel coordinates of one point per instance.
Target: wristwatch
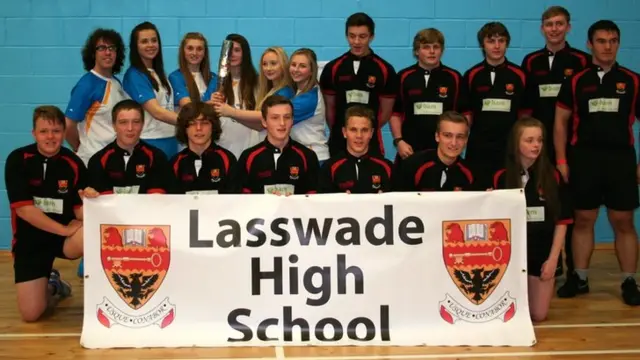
(396, 141)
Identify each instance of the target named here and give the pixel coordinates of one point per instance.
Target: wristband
(561, 162)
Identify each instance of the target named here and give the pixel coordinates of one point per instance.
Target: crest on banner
(476, 256)
(135, 260)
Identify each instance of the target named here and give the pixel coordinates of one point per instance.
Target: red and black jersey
(541, 222)
(546, 71)
(424, 171)
(604, 106)
(48, 183)
(357, 80)
(422, 96)
(146, 170)
(264, 165)
(210, 172)
(369, 173)
(496, 100)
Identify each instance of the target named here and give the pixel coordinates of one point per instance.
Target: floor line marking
(436, 356)
(468, 355)
(541, 326)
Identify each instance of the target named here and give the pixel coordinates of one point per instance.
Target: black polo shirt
(49, 183)
(495, 106)
(544, 82)
(540, 224)
(264, 168)
(422, 96)
(369, 173)
(374, 79)
(210, 172)
(115, 170)
(424, 171)
(604, 106)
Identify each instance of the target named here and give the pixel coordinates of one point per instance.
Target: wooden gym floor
(596, 326)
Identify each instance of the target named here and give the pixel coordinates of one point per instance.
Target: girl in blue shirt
(145, 82)
(193, 80)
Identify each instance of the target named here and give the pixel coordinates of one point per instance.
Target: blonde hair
(267, 87)
(313, 62)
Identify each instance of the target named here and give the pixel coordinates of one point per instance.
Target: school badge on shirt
(294, 172)
(509, 89)
(215, 175)
(140, 171)
(63, 186)
(371, 82)
(375, 181)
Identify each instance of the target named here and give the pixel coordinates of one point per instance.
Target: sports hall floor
(596, 326)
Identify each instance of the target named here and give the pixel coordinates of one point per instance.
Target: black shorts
(538, 250)
(33, 259)
(603, 177)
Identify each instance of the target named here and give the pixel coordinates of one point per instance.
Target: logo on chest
(509, 89)
(371, 82)
(140, 171)
(346, 185)
(215, 175)
(63, 186)
(442, 91)
(294, 172)
(264, 174)
(621, 88)
(541, 194)
(568, 72)
(375, 181)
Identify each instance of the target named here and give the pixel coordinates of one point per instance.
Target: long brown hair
(248, 77)
(205, 66)
(158, 63)
(545, 174)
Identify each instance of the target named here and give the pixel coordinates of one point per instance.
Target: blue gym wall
(40, 41)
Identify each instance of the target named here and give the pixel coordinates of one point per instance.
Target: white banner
(394, 269)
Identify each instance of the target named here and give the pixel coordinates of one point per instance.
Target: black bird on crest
(480, 283)
(135, 286)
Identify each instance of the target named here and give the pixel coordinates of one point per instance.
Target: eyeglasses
(103, 48)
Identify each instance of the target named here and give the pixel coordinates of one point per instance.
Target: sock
(582, 274)
(626, 276)
(54, 289)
